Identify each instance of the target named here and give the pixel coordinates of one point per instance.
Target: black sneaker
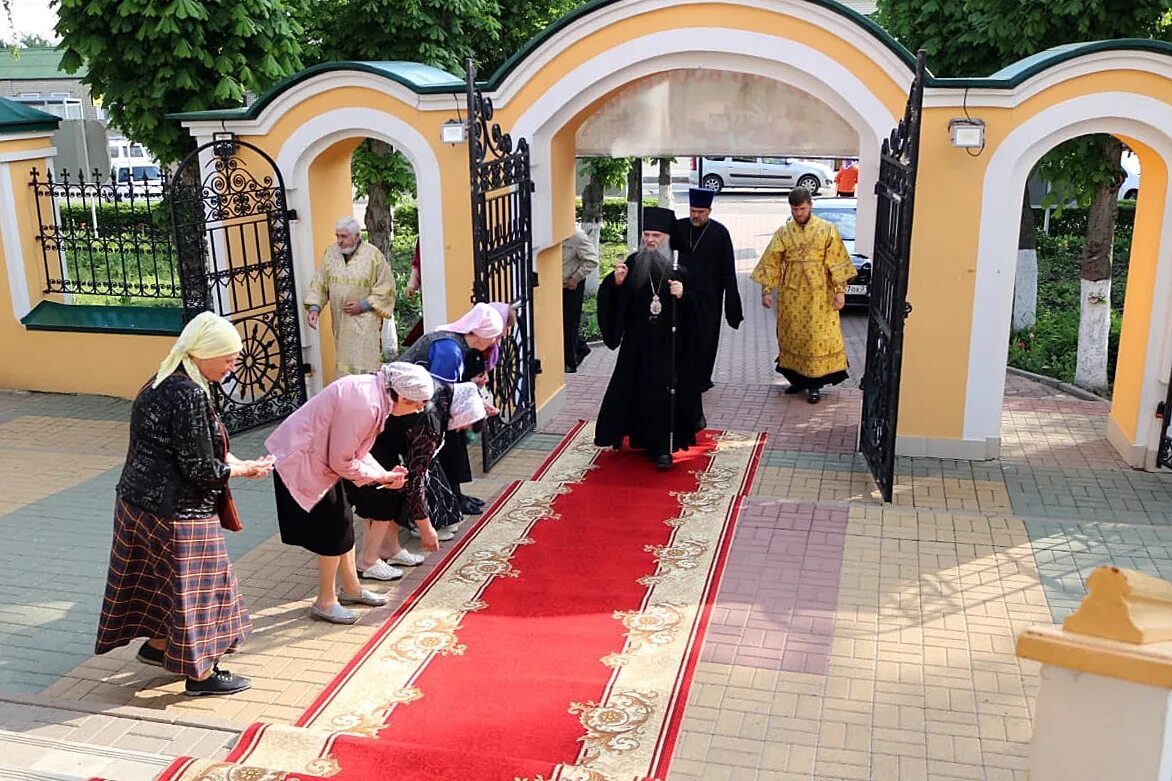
(219, 682)
(150, 655)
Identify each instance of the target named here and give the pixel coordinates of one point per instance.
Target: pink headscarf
(482, 320)
(493, 355)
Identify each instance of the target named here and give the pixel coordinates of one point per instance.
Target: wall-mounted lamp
(967, 133)
(453, 132)
(224, 136)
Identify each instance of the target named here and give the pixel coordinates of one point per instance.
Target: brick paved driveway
(898, 665)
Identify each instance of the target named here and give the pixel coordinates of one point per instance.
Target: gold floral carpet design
(557, 640)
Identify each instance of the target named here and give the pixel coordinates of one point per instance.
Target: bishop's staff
(673, 380)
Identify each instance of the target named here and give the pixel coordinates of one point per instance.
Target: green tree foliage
(520, 22)
(146, 59)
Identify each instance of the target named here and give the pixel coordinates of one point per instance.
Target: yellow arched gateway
(566, 92)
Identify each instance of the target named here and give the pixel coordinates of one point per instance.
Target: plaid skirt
(172, 579)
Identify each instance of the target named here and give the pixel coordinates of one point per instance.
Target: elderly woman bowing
(170, 579)
(326, 440)
(479, 329)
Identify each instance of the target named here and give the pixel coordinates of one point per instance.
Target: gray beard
(652, 266)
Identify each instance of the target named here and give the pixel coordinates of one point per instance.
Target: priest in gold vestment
(807, 263)
(355, 279)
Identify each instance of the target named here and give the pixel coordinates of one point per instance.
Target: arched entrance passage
(868, 99)
(1141, 379)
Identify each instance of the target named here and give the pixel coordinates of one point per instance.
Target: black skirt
(327, 529)
(378, 504)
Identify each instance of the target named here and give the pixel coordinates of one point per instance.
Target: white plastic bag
(390, 339)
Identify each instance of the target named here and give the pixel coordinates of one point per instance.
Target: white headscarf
(467, 406)
(207, 336)
(408, 381)
(481, 320)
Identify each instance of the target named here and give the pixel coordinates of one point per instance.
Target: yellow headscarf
(207, 336)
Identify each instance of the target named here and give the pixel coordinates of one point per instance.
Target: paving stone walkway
(850, 639)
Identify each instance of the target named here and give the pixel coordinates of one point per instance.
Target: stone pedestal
(1104, 712)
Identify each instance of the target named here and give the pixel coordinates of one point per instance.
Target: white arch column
(314, 137)
(760, 54)
(1137, 116)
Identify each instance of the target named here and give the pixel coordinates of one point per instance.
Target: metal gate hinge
(290, 214)
(1160, 409)
(537, 366)
(536, 282)
(307, 368)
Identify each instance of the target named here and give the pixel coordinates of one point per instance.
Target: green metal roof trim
(420, 79)
(867, 24)
(424, 79)
(16, 117)
(93, 318)
(35, 62)
(1014, 75)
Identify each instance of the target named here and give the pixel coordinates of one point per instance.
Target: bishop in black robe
(706, 253)
(636, 318)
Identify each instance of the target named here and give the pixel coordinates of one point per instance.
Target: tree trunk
(379, 227)
(1094, 325)
(592, 195)
(1025, 288)
(634, 202)
(665, 196)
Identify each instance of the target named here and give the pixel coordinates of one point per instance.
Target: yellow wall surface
(941, 283)
(63, 362)
(715, 15)
(1141, 284)
(944, 258)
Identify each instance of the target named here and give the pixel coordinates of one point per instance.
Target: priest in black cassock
(706, 252)
(637, 303)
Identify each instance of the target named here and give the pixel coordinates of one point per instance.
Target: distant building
(34, 77)
(84, 140)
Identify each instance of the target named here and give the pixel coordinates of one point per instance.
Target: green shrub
(1050, 348)
(1073, 221)
(118, 218)
(407, 219)
(614, 213)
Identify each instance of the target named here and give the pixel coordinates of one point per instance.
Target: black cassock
(707, 255)
(637, 400)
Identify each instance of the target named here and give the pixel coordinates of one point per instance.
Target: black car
(841, 212)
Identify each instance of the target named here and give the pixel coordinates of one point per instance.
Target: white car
(137, 180)
(770, 173)
(1130, 189)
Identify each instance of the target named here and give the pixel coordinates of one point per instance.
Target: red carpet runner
(557, 641)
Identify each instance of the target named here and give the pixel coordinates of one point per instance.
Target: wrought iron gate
(502, 240)
(896, 189)
(232, 238)
(1164, 452)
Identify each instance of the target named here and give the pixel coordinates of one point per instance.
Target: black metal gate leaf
(502, 238)
(1164, 451)
(231, 228)
(896, 190)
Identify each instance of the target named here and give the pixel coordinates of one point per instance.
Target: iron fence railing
(106, 241)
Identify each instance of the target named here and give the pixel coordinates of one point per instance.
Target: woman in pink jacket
(327, 439)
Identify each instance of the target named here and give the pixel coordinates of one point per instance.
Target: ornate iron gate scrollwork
(889, 309)
(502, 240)
(231, 228)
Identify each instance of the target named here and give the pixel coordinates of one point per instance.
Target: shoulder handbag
(225, 505)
